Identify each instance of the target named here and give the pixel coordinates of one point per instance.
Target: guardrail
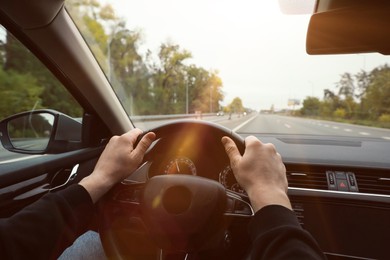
(166, 117)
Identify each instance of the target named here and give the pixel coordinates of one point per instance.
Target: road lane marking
(287, 125)
(386, 137)
(326, 125)
(20, 159)
(335, 127)
(347, 130)
(243, 124)
(364, 133)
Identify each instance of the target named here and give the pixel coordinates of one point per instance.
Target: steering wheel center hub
(183, 212)
(177, 199)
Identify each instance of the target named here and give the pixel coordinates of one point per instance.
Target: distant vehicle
(220, 113)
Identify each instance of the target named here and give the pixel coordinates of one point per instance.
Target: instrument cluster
(227, 179)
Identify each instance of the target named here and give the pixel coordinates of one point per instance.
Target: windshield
(241, 64)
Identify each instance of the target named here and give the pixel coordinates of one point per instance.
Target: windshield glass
(241, 64)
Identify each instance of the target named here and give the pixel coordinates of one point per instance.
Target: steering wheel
(171, 215)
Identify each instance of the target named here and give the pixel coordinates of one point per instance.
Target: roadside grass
(364, 122)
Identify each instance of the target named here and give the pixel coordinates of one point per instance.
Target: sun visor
(351, 29)
(30, 14)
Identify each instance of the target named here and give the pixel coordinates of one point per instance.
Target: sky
(259, 52)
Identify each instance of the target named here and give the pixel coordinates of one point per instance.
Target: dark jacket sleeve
(277, 234)
(45, 228)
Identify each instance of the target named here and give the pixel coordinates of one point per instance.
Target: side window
(27, 85)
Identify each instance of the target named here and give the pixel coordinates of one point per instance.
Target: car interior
(339, 186)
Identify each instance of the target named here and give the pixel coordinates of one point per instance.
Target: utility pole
(187, 98)
(211, 100)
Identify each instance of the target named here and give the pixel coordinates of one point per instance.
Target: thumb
(231, 151)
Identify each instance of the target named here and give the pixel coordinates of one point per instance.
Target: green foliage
(311, 106)
(26, 84)
(19, 92)
(236, 106)
(384, 118)
(97, 32)
(145, 85)
(377, 93)
(346, 85)
(363, 98)
(339, 113)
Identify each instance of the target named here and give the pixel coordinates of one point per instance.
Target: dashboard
(339, 187)
(311, 162)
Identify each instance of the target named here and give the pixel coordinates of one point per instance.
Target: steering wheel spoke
(236, 206)
(131, 189)
(129, 193)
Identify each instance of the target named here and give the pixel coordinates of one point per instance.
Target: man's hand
(260, 171)
(118, 160)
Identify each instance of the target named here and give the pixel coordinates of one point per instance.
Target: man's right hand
(260, 171)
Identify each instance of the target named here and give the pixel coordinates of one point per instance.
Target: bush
(340, 113)
(384, 118)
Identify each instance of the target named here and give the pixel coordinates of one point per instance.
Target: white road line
(347, 130)
(335, 127)
(20, 159)
(386, 137)
(364, 133)
(326, 125)
(287, 125)
(243, 124)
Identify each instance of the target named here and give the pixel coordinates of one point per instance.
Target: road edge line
(243, 124)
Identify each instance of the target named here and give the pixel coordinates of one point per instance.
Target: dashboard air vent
(308, 180)
(373, 183)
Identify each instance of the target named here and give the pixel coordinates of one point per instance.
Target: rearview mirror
(353, 27)
(40, 131)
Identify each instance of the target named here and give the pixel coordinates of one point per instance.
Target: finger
(252, 142)
(251, 139)
(132, 135)
(231, 150)
(143, 145)
(270, 147)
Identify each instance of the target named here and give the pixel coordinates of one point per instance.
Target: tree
(129, 72)
(19, 92)
(19, 61)
(346, 85)
(169, 86)
(330, 103)
(216, 95)
(197, 82)
(311, 106)
(166, 85)
(377, 95)
(347, 91)
(363, 80)
(236, 106)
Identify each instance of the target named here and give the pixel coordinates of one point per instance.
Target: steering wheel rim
(199, 129)
(196, 126)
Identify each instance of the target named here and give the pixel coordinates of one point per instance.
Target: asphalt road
(260, 123)
(292, 125)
